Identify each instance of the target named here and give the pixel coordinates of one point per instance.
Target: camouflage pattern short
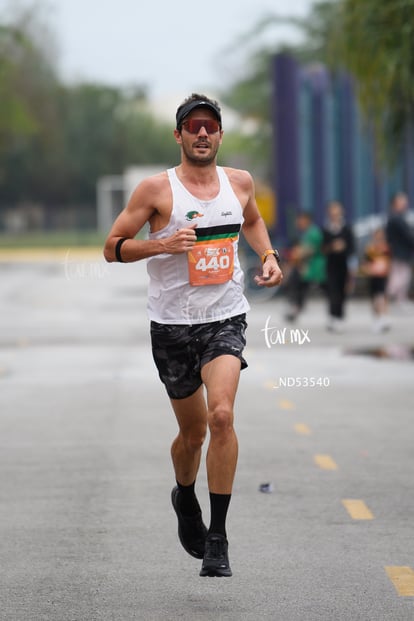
(180, 351)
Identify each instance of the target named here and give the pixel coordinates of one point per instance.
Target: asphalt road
(86, 528)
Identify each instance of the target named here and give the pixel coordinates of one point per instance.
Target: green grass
(55, 239)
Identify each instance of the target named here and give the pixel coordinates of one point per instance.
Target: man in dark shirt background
(339, 247)
(400, 239)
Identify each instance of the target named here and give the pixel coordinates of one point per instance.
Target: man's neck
(202, 181)
(197, 174)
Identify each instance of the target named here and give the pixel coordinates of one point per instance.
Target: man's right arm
(142, 208)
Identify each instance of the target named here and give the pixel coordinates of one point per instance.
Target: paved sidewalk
(86, 528)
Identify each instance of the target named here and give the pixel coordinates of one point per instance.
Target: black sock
(219, 504)
(187, 499)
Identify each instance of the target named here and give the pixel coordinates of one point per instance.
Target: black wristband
(118, 249)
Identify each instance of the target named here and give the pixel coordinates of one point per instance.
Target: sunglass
(193, 126)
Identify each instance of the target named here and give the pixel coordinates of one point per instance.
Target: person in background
(401, 242)
(338, 247)
(376, 266)
(307, 264)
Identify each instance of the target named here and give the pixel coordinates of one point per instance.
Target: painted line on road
(285, 404)
(26, 255)
(302, 429)
(402, 579)
(325, 462)
(357, 509)
(22, 341)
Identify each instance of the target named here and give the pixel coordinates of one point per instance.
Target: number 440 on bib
(211, 263)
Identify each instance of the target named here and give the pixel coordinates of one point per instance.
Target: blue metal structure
(324, 151)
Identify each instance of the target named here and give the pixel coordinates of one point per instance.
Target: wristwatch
(272, 251)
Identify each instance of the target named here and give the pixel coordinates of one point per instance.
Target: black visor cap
(185, 110)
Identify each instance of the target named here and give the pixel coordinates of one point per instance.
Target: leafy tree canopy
(373, 40)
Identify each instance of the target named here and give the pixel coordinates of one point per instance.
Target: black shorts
(180, 351)
(377, 285)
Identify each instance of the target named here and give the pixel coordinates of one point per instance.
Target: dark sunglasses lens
(194, 125)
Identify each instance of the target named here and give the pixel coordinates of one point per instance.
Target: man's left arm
(256, 234)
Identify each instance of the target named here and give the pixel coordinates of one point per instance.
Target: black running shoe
(216, 560)
(192, 532)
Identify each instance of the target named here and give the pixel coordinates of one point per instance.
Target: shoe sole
(189, 551)
(216, 573)
(215, 567)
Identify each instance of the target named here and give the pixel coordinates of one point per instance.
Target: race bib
(211, 262)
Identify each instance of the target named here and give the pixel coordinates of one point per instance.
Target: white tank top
(171, 298)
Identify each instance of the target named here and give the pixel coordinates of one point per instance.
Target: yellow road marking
(357, 509)
(302, 429)
(16, 255)
(22, 341)
(284, 404)
(325, 462)
(402, 579)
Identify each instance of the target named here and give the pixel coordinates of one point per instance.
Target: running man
(197, 309)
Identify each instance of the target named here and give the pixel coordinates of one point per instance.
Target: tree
(105, 130)
(371, 39)
(57, 140)
(15, 115)
(26, 77)
(374, 41)
(28, 110)
(251, 92)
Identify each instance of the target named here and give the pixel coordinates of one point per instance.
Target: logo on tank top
(192, 215)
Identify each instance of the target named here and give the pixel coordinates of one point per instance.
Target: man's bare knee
(220, 420)
(193, 440)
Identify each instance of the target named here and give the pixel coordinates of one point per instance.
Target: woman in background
(376, 265)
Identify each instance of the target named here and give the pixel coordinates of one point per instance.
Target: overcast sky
(171, 47)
